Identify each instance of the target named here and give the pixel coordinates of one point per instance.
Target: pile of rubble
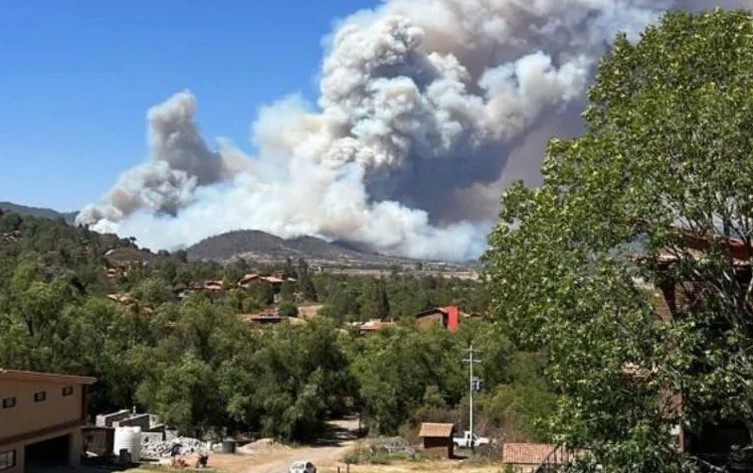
(264, 445)
(156, 450)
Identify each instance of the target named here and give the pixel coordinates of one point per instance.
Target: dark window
(40, 396)
(9, 402)
(7, 460)
(67, 391)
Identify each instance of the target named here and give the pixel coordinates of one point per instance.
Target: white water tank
(128, 438)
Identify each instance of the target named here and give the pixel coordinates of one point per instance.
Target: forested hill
(262, 246)
(69, 217)
(42, 249)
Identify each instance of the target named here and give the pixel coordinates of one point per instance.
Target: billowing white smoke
(427, 109)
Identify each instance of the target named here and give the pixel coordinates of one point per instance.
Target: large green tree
(667, 152)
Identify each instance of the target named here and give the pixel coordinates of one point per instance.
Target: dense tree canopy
(73, 301)
(666, 155)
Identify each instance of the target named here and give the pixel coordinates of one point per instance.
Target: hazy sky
(76, 79)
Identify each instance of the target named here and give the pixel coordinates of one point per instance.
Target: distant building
(437, 439)
(374, 326)
(213, 288)
(447, 317)
(267, 317)
(250, 280)
(40, 419)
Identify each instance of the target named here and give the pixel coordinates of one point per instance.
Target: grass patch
(370, 454)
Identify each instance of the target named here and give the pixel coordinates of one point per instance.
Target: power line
(474, 384)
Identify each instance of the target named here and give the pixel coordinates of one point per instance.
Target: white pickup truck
(465, 440)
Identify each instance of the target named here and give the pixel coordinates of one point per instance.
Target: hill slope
(261, 246)
(40, 212)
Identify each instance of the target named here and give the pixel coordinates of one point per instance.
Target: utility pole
(473, 385)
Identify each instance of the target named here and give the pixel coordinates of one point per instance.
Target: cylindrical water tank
(128, 438)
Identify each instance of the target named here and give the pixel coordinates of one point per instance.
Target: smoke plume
(428, 109)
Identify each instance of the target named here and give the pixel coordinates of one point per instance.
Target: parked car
(302, 467)
(465, 440)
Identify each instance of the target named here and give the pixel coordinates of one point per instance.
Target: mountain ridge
(42, 212)
(261, 246)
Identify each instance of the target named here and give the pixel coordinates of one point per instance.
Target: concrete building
(41, 415)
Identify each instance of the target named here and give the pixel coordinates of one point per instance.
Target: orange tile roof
(526, 453)
(248, 279)
(430, 429)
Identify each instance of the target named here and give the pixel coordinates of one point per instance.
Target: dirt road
(325, 458)
(326, 454)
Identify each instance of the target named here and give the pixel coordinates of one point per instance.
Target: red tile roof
(526, 453)
(430, 429)
(537, 453)
(248, 279)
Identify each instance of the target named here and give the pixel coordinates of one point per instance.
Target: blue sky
(77, 77)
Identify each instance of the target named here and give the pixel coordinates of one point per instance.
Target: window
(9, 402)
(7, 460)
(40, 396)
(68, 391)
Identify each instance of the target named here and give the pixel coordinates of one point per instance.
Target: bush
(378, 452)
(288, 309)
(366, 454)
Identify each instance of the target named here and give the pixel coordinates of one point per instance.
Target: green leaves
(667, 145)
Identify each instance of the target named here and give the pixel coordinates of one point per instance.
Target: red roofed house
(249, 280)
(448, 317)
